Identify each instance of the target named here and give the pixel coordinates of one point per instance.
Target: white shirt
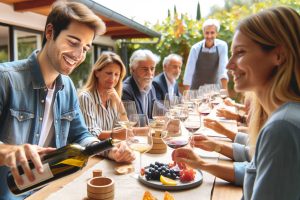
(193, 56)
(170, 85)
(47, 131)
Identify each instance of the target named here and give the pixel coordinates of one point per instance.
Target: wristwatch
(217, 148)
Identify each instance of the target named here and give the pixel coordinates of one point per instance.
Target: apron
(206, 70)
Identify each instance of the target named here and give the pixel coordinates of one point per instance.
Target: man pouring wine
(38, 101)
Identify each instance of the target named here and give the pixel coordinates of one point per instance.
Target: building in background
(22, 24)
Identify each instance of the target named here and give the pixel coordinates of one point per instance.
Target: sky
(153, 10)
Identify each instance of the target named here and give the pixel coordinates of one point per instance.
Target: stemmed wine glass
(126, 109)
(158, 113)
(171, 100)
(139, 137)
(193, 122)
(172, 134)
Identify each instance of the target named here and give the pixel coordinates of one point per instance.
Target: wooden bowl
(101, 188)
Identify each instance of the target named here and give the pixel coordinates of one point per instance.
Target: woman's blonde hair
(105, 59)
(277, 27)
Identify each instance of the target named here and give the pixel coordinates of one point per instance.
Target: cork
(97, 172)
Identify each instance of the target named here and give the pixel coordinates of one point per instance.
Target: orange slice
(168, 196)
(167, 181)
(148, 196)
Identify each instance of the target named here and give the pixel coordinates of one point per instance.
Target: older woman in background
(100, 99)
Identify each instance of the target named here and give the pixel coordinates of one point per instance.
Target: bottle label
(47, 174)
(73, 162)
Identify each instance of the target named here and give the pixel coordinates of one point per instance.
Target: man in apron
(207, 60)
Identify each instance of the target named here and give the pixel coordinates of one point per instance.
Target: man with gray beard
(166, 82)
(138, 87)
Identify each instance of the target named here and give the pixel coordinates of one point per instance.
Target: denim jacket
(22, 106)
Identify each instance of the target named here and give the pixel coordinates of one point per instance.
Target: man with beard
(165, 82)
(207, 60)
(38, 101)
(138, 87)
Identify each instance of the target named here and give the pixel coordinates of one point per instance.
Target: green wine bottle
(57, 164)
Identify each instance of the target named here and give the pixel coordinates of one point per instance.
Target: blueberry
(148, 177)
(173, 176)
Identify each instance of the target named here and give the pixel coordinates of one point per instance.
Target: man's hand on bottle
(14, 155)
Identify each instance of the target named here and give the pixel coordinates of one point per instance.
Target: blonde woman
(266, 60)
(100, 98)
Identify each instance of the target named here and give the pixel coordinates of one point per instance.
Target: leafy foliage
(179, 34)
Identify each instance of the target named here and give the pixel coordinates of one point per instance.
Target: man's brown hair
(63, 13)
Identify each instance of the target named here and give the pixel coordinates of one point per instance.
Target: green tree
(198, 17)
(178, 35)
(175, 11)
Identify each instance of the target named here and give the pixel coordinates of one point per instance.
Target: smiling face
(173, 69)
(69, 49)
(210, 34)
(251, 66)
(108, 77)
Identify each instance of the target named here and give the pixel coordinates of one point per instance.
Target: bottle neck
(98, 147)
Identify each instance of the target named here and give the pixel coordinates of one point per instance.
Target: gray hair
(211, 22)
(142, 55)
(170, 57)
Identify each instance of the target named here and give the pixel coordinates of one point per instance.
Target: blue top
(241, 156)
(274, 172)
(22, 104)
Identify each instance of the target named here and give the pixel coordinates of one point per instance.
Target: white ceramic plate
(180, 186)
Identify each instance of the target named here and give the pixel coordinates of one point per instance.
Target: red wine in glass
(205, 112)
(223, 96)
(174, 143)
(192, 129)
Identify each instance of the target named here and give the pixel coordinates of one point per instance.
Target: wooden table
(128, 188)
(223, 189)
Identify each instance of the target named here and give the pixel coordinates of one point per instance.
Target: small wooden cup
(101, 188)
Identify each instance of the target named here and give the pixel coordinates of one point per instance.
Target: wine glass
(215, 97)
(204, 108)
(193, 122)
(126, 109)
(139, 137)
(158, 113)
(172, 134)
(223, 93)
(171, 100)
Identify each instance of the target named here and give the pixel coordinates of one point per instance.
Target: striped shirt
(96, 116)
